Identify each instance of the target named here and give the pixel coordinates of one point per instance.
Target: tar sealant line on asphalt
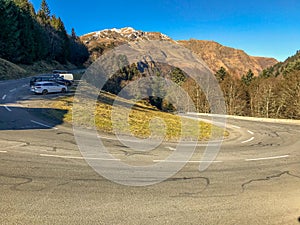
(113, 139)
(3, 97)
(193, 145)
(191, 161)
(269, 158)
(8, 109)
(251, 139)
(43, 125)
(212, 143)
(77, 157)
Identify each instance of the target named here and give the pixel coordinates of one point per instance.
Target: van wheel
(45, 92)
(63, 90)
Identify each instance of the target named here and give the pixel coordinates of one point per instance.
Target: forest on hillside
(263, 96)
(271, 96)
(267, 95)
(28, 36)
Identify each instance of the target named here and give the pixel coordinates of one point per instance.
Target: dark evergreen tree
(73, 34)
(44, 13)
(10, 33)
(266, 73)
(247, 79)
(178, 76)
(26, 52)
(221, 74)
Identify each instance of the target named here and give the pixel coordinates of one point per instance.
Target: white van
(64, 74)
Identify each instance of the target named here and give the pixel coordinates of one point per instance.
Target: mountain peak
(124, 34)
(235, 61)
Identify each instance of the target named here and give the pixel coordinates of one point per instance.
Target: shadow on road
(18, 118)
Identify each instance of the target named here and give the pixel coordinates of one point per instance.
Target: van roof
(60, 71)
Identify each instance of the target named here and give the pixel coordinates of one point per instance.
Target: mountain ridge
(235, 61)
(291, 64)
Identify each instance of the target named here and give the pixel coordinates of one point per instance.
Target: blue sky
(260, 27)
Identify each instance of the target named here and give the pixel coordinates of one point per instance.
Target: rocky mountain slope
(235, 61)
(100, 41)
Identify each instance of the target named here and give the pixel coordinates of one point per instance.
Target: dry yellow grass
(139, 121)
(9, 70)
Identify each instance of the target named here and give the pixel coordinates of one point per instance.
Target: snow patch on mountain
(124, 34)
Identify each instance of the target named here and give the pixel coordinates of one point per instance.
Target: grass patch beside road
(9, 70)
(141, 118)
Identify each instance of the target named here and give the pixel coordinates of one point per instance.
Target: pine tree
(9, 35)
(26, 52)
(73, 34)
(44, 13)
(247, 79)
(221, 74)
(178, 76)
(26, 6)
(27, 37)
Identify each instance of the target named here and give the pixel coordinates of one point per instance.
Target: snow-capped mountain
(123, 35)
(235, 61)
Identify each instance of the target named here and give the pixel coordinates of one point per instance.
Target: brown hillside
(235, 61)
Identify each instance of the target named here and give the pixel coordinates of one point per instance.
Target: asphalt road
(44, 180)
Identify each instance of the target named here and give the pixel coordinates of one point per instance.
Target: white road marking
(8, 109)
(268, 158)
(3, 151)
(191, 161)
(251, 139)
(12, 90)
(4, 97)
(44, 125)
(76, 157)
(25, 85)
(250, 132)
(170, 148)
(236, 127)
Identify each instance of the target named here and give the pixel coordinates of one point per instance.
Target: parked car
(35, 79)
(64, 74)
(63, 81)
(46, 87)
(50, 77)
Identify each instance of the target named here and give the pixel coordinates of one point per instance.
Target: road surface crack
(244, 185)
(15, 186)
(190, 194)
